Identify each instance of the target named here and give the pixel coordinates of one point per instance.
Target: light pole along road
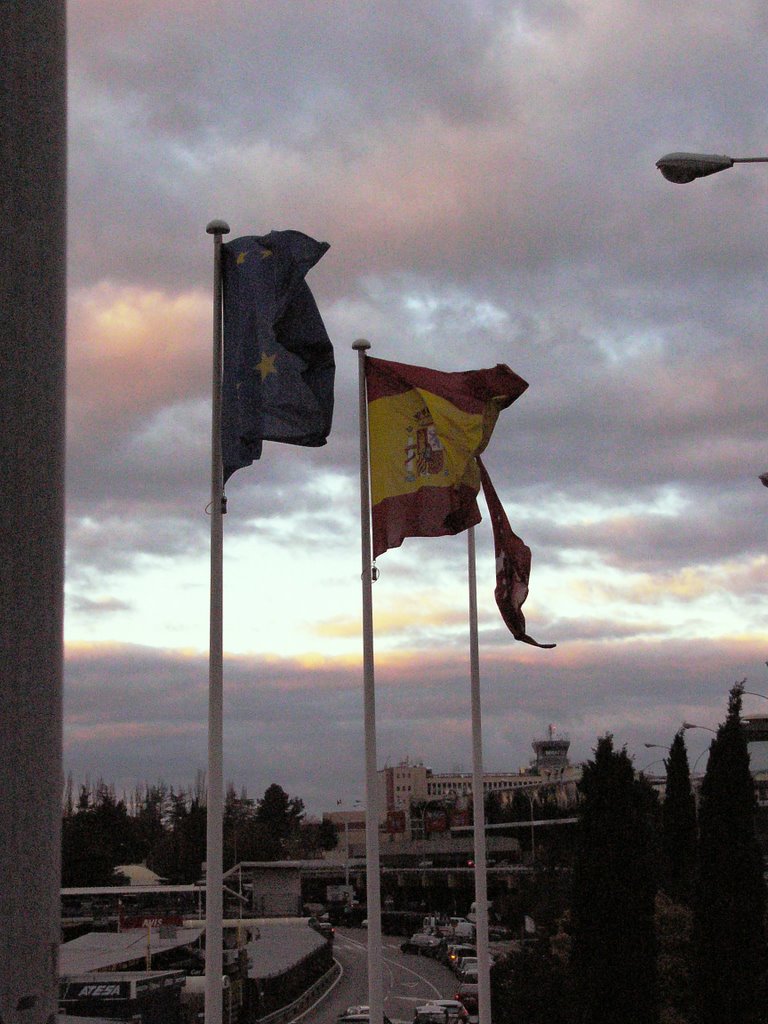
(682, 168)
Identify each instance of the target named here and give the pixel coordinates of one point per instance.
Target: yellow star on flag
(266, 364)
(241, 257)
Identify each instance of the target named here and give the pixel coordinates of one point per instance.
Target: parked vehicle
(460, 928)
(453, 1011)
(422, 943)
(359, 1018)
(358, 1015)
(430, 1014)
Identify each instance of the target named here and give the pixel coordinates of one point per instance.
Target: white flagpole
(373, 876)
(478, 802)
(214, 883)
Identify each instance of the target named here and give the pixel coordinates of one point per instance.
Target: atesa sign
(97, 990)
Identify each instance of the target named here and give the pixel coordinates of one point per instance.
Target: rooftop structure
(551, 752)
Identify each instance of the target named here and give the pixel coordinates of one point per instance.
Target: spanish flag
(425, 430)
(513, 565)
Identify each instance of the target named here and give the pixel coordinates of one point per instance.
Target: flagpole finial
(217, 227)
(361, 345)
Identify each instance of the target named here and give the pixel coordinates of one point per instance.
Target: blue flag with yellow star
(278, 369)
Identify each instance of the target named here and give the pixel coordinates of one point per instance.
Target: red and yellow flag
(425, 429)
(513, 565)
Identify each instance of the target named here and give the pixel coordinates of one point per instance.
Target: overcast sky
(484, 174)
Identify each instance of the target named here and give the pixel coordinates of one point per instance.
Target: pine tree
(613, 957)
(729, 933)
(679, 829)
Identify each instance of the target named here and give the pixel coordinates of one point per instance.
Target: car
(457, 950)
(322, 927)
(430, 1014)
(422, 943)
(359, 1018)
(467, 963)
(453, 1011)
(466, 994)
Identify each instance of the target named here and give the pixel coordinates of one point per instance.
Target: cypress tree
(729, 910)
(613, 956)
(678, 826)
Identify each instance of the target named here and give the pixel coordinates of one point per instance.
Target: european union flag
(278, 368)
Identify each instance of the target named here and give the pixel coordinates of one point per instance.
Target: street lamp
(691, 725)
(681, 168)
(355, 804)
(752, 693)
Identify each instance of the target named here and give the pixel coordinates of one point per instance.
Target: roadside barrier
(304, 1001)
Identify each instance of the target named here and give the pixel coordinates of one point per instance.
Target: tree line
(165, 828)
(663, 920)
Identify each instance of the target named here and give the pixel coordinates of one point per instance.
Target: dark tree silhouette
(679, 829)
(730, 901)
(613, 957)
(281, 813)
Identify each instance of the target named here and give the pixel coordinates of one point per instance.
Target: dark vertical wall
(32, 357)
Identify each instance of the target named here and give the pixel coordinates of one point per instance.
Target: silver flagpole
(214, 884)
(373, 877)
(478, 801)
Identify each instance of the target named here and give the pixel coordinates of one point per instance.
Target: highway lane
(409, 981)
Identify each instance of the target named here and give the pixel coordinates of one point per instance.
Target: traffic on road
(417, 989)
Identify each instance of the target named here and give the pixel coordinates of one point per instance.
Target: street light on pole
(682, 168)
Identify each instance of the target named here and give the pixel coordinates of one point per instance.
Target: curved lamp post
(681, 168)
(691, 725)
(752, 693)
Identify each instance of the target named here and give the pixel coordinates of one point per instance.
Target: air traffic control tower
(551, 753)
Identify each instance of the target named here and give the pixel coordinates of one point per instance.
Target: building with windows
(415, 801)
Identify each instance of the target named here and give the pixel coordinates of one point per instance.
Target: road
(409, 980)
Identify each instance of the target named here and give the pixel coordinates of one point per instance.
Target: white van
(461, 928)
